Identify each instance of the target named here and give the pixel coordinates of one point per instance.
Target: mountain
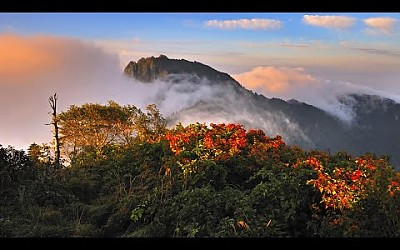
(152, 68)
(376, 124)
(217, 97)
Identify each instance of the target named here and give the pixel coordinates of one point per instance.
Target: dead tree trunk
(53, 105)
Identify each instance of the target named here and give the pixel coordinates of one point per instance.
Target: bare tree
(53, 104)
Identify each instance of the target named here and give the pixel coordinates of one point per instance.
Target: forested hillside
(124, 174)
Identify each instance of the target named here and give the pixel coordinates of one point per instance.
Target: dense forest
(122, 173)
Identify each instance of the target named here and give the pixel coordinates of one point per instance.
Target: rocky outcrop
(151, 68)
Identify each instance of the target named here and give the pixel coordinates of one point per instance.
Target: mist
(79, 72)
(33, 68)
(296, 83)
(223, 103)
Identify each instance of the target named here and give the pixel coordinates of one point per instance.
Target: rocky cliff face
(162, 67)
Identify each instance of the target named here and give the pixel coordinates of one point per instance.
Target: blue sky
(326, 44)
(285, 55)
(173, 25)
(188, 36)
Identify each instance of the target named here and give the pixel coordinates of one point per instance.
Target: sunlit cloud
(338, 22)
(34, 67)
(248, 24)
(297, 83)
(273, 80)
(23, 56)
(26, 58)
(380, 25)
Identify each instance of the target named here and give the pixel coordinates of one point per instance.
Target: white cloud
(380, 25)
(249, 24)
(338, 22)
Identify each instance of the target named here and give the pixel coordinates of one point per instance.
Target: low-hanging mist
(81, 72)
(295, 83)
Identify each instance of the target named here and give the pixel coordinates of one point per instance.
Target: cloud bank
(81, 73)
(33, 68)
(248, 24)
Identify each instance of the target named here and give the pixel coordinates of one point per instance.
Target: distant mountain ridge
(375, 127)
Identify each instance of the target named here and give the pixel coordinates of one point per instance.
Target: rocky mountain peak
(152, 68)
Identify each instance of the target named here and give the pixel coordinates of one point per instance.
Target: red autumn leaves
(345, 186)
(341, 186)
(394, 185)
(219, 141)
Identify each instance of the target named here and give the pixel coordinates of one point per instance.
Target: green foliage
(137, 213)
(194, 212)
(89, 131)
(196, 181)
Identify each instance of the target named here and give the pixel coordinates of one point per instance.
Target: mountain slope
(375, 127)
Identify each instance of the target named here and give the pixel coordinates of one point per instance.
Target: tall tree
(149, 126)
(156, 124)
(91, 128)
(53, 104)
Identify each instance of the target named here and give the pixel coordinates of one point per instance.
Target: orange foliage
(343, 188)
(394, 185)
(221, 141)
